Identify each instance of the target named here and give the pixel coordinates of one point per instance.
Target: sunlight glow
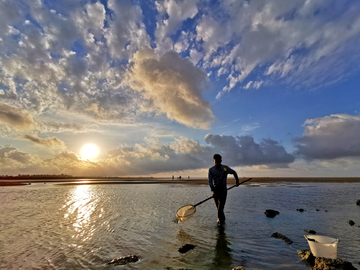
(89, 151)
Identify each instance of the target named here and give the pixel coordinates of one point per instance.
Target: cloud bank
(244, 150)
(153, 156)
(330, 137)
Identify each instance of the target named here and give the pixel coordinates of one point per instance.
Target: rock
(317, 210)
(319, 263)
(332, 264)
(125, 260)
(300, 210)
(352, 223)
(186, 248)
(282, 237)
(271, 213)
(310, 231)
(307, 256)
(238, 268)
(358, 202)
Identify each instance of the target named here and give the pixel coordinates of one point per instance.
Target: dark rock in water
(186, 248)
(282, 237)
(271, 213)
(352, 223)
(310, 231)
(317, 210)
(307, 256)
(358, 202)
(125, 260)
(332, 264)
(300, 210)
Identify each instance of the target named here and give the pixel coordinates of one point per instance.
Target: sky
(159, 87)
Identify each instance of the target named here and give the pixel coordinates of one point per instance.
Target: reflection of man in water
(217, 182)
(222, 259)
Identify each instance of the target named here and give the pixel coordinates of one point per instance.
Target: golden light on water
(89, 151)
(80, 206)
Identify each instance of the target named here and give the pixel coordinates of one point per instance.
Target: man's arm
(231, 171)
(210, 181)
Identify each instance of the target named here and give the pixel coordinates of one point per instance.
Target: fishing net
(185, 212)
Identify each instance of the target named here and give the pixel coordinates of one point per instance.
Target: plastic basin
(322, 246)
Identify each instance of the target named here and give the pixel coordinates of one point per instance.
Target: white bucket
(322, 246)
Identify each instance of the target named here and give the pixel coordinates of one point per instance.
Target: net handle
(227, 189)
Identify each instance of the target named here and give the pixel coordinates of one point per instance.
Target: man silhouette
(217, 182)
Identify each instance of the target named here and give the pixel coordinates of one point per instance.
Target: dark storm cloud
(243, 150)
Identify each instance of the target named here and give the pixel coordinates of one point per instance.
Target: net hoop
(185, 212)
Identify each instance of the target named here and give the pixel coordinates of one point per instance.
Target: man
(217, 182)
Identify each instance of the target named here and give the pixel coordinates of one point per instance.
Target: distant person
(217, 182)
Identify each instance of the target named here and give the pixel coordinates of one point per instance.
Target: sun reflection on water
(80, 208)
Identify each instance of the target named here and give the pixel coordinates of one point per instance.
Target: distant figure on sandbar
(217, 182)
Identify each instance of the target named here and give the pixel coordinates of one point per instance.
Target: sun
(89, 151)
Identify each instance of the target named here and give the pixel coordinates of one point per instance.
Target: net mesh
(185, 212)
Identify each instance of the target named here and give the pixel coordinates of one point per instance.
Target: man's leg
(216, 200)
(221, 205)
(220, 200)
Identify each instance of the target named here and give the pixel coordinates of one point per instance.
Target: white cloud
(195, 56)
(173, 85)
(297, 39)
(126, 33)
(177, 12)
(331, 137)
(252, 84)
(43, 72)
(250, 127)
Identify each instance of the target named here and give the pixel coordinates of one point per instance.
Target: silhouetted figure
(180, 177)
(217, 182)
(172, 177)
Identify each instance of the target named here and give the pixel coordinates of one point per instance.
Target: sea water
(85, 226)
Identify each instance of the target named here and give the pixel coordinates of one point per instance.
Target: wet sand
(182, 182)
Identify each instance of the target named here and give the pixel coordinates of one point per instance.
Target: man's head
(217, 159)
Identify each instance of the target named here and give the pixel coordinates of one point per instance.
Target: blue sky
(160, 86)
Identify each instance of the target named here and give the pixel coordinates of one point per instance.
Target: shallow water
(84, 227)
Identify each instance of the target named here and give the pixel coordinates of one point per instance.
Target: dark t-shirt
(218, 177)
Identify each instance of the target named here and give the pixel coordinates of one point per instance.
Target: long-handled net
(189, 210)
